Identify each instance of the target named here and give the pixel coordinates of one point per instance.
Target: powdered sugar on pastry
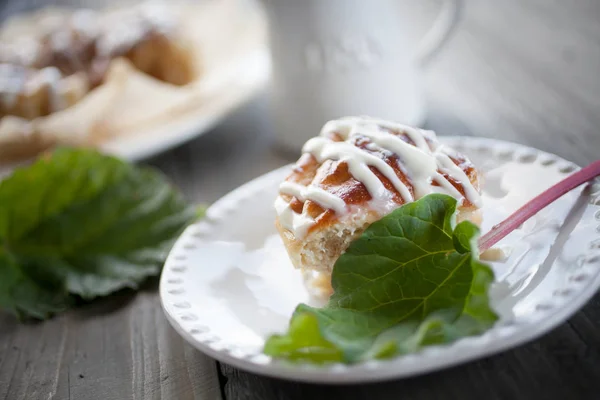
(12, 80)
(123, 29)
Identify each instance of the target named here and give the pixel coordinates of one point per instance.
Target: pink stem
(499, 231)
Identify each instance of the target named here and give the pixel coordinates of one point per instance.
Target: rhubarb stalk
(539, 202)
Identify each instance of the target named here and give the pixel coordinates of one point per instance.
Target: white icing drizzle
(124, 29)
(358, 162)
(119, 39)
(85, 23)
(446, 165)
(419, 162)
(420, 168)
(159, 15)
(296, 223)
(315, 193)
(12, 79)
(18, 81)
(49, 78)
(61, 41)
(23, 51)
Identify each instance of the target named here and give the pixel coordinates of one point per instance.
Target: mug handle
(440, 32)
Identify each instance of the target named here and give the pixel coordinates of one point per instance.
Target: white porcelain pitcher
(333, 58)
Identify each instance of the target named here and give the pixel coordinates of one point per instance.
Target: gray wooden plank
(117, 348)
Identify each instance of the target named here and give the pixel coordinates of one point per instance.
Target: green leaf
(201, 211)
(31, 288)
(79, 222)
(411, 280)
(304, 342)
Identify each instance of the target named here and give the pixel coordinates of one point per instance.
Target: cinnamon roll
(44, 74)
(29, 93)
(356, 171)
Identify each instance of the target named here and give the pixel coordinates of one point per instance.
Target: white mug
(334, 58)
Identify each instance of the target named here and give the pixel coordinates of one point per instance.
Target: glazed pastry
(87, 41)
(147, 36)
(29, 93)
(18, 140)
(48, 74)
(127, 70)
(354, 173)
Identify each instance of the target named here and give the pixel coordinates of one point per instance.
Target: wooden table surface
(525, 71)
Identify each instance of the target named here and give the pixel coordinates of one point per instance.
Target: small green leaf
(463, 236)
(83, 223)
(201, 211)
(304, 342)
(411, 280)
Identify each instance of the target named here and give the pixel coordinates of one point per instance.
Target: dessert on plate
(80, 77)
(53, 61)
(356, 171)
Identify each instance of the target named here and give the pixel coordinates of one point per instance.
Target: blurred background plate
(233, 85)
(236, 67)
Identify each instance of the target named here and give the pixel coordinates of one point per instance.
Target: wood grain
(525, 71)
(118, 348)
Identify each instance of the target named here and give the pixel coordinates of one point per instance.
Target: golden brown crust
(19, 140)
(34, 92)
(292, 245)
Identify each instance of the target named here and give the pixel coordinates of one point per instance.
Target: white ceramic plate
(228, 283)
